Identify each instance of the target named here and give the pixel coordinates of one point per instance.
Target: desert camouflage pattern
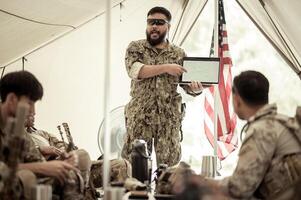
(269, 160)
(15, 188)
(32, 153)
(41, 137)
(168, 178)
(120, 170)
(155, 108)
(4, 174)
(72, 189)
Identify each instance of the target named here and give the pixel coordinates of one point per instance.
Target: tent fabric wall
(283, 31)
(29, 24)
(71, 69)
(191, 12)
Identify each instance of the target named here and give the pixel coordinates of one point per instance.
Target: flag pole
(216, 85)
(107, 138)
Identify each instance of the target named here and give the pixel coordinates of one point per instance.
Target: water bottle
(140, 161)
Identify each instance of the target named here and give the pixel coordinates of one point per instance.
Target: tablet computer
(201, 69)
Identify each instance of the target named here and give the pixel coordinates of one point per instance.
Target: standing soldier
(154, 112)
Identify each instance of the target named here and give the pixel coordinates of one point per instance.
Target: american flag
(227, 137)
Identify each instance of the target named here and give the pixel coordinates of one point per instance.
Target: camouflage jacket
(158, 93)
(43, 138)
(31, 154)
(265, 144)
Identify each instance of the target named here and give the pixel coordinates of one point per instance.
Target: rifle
(71, 145)
(61, 133)
(13, 151)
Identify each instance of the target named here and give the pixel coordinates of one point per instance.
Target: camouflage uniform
(23, 180)
(43, 138)
(73, 187)
(120, 168)
(268, 160)
(155, 108)
(31, 154)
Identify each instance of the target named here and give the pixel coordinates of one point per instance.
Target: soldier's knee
(28, 180)
(84, 161)
(121, 169)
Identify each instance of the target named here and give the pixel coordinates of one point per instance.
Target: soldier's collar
(265, 110)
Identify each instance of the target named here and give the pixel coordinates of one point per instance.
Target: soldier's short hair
(21, 83)
(160, 10)
(252, 87)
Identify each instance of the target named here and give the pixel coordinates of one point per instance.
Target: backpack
(292, 123)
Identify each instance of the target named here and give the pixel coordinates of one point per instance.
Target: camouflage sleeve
(254, 158)
(133, 60)
(54, 141)
(32, 154)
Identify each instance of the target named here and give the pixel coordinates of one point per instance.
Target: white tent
(71, 67)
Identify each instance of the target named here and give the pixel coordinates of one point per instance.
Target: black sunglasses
(158, 22)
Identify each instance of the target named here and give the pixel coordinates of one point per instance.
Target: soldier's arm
(138, 70)
(254, 158)
(55, 141)
(57, 169)
(148, 71)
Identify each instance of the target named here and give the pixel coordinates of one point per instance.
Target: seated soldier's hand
(71, 158)
(57, 169)
(50, 151)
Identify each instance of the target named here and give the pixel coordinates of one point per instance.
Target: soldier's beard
(156, 41)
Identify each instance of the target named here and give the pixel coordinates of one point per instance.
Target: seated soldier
(269, 161)
(52, 147)
(23, 86)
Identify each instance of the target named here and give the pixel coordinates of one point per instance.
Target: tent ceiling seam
(297, 71)
(192, 25)
(35, 21)
(180, 20)
(281, 36)
(60, 36)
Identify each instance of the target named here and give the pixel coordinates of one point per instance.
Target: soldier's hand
(174, 69)
(72, 158)
(50, 151)
(196, 87)
(58, 169)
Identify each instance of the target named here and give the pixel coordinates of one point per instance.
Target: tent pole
(107, 138)
(216, 85)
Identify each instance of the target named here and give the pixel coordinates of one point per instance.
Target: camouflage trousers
(165, 135)
(72, 189)
(19, 187)
(120, 170)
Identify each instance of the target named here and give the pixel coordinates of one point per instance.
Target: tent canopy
(279, 21)
(30, 24)
(71, 68)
